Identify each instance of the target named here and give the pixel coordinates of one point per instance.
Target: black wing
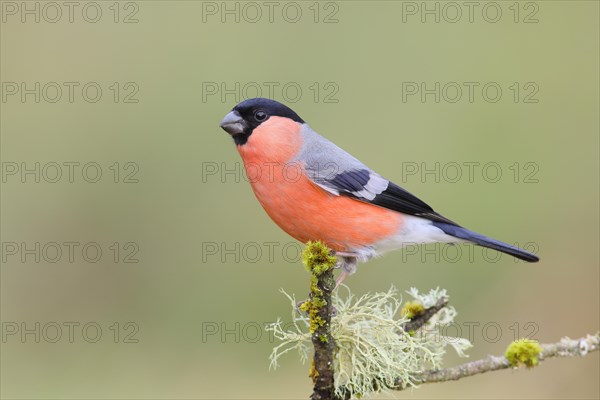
(369, 187)
(397, 199)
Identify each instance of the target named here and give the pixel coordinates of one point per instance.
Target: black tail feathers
(481, 240)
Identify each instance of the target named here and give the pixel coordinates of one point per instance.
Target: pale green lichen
(373, 352)
(523, 352)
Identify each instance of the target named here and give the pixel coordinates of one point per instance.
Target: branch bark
(323, 342)
(320, 262)
(565, 348)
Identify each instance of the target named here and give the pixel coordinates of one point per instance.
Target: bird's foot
(348, 268)
(343, 275)
(345, 254)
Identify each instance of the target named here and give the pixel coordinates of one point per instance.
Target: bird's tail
(481, 240)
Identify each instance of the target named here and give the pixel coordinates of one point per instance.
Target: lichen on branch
(365, 342)
(320, 263)
(375, 342)
(523, 352)
(528, 353)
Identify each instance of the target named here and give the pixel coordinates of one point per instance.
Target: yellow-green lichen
(312, 371)
(523, 352)
(318, 259)
(412, 309)
(312, 307)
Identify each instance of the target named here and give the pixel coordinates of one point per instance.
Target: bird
(314, 190)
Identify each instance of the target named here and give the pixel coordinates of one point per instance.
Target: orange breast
(300, 207)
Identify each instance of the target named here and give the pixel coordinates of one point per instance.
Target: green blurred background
(180, 296)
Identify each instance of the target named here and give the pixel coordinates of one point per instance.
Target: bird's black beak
(233, 123)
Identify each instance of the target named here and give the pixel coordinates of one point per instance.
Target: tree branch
(565, 348)
(421, 319)
(320, 262)
(323, 343)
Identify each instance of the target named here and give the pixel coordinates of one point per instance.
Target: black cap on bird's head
(249, 114)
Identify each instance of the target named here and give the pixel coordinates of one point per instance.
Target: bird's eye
(260, 116)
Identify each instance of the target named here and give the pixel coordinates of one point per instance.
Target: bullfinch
(314, 190)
